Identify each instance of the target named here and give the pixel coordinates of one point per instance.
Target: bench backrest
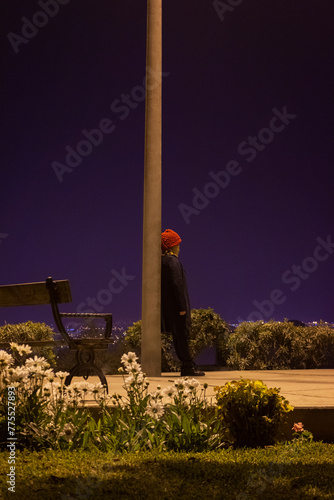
(33, 294)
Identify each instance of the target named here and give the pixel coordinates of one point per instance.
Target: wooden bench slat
(96, 343)
(32, 294)
(35, 343)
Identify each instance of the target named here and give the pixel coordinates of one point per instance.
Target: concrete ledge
(318, 420)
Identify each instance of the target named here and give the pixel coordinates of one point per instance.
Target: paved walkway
(302, 388)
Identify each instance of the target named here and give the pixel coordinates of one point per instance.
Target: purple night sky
(247, 158)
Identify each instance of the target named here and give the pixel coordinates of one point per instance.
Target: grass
(287, 471)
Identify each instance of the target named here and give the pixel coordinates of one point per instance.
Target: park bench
(54, 293)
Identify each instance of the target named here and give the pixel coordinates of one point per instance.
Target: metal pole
(151, 278)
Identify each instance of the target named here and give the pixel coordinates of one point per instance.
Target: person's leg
(180, 340)
(181, 344)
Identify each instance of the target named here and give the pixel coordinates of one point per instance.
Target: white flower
(98, 388)
(133, 367)
(68, 393)
(180, 384)
(130, 381)
(62, 375)
(129, 358)
(18, 374)
(37, 363)
(154, 410)
(56, 386)
(84, 386)
(24, 350)
(192, 383)
(75, 386)
(38, 371)
(169, 391)
(5, 359)
(68, 432)
(21, 349)
(157, 395)
(50, 376)
(141, 379)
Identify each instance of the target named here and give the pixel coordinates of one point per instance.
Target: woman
(175, 306)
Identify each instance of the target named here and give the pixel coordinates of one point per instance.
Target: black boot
(191, 371)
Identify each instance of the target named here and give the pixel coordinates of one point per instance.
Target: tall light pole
(151, 277)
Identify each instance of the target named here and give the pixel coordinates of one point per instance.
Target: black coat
(174, 293)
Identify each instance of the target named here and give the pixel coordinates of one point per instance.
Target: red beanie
(169, 239)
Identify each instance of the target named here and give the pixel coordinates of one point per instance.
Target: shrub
(322, 344)
(208, 329)
(133, 341)
(251, 412)
(24, 332)
(280, 345)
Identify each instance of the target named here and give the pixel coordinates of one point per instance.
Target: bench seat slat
(34, 343)
(96, 343)
(32, 294)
